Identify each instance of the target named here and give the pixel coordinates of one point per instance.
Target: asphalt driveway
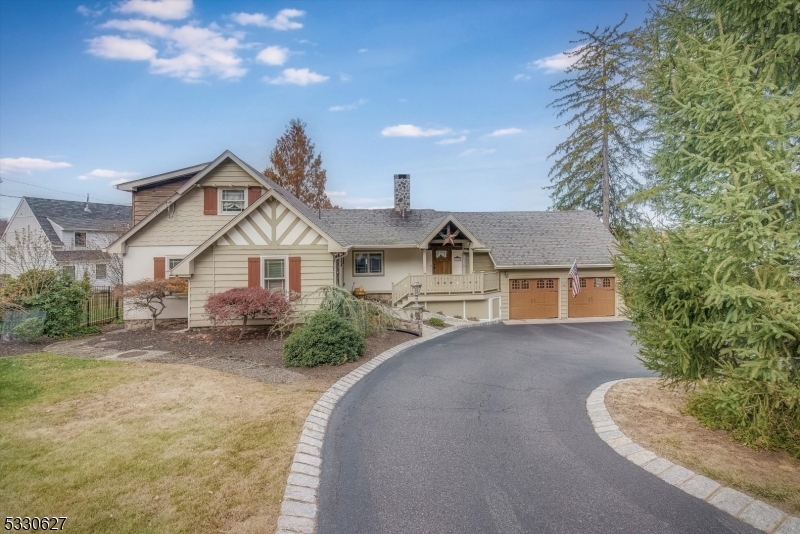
(485, 430)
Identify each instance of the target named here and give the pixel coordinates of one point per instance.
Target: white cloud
(115, 47)
(348, 107)
(107, 173)
(477, 152)
(188, 52)
(409, 130)
(504, 132)
(363, 50)
(273, 55)
(345, 78)
(558, 62)
(297, 77)
(89, 12)
(159, 9)
(306, 41)
(156, 29)
(521, 77)
(282, 21)
(29, 165)
(452, 140)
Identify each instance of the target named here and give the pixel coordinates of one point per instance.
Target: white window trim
(285, 270)
(105, 276)
(167, 270)
(223, 212)
(383, 262)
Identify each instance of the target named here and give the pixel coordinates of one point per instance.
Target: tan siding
(481, 261)
(147, 199)
(230, 265)
(188, 225)
(563, 285)
(478, 308)
(451, 309)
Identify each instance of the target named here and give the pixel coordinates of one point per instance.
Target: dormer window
(80, 239)
(232, 201)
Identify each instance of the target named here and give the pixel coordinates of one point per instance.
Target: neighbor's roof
(515, 238)
(71, 215)
(68, 257)
(187, 172)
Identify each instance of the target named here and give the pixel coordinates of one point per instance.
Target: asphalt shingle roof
(516, 238)
(71, 215)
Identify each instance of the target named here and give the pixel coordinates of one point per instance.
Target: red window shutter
(209, 201)
(294, 274)
(254, 272)
(159, 268)
(253, 194)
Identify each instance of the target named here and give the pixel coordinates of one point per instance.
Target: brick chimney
(402, 193)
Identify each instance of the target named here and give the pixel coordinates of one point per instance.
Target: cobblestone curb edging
(299, 506)
(743, 507)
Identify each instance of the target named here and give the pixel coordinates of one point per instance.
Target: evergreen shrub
(326, 339)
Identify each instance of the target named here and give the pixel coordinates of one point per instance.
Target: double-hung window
(100, 271)
(274, 272)
(368, 263)
(232, 201)
(172, 262)
(80, 239)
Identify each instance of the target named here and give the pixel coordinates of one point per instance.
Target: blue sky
(453, 92)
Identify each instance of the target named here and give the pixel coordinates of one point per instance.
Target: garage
(534, 298)
(596, 299)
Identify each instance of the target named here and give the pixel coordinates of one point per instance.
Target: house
(73, 235)
(223, 224)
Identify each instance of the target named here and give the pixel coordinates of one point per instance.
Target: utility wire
(58, 191)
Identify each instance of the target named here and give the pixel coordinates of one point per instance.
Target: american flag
(576, 280)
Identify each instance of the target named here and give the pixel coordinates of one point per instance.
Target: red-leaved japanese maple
(241, 303)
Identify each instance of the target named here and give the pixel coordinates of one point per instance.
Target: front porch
(478, 283)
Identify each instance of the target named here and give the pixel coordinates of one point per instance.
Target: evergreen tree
(595, 166)
(717, 294)
(296, 167)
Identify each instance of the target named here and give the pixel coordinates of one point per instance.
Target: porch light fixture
(415, 286)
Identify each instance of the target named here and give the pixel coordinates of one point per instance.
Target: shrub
(326, 339)
(64, 301)
(435, 321)
(29, 330)
(761, 414)
(367, 316)
(241, 303)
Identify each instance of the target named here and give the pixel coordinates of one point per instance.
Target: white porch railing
(447, 284)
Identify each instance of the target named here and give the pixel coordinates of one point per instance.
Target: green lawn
(136, 447)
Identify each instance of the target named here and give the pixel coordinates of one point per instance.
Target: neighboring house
(76, 232)
(223, 224)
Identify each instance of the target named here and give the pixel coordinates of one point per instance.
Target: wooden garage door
(596, 299)
(536, 298)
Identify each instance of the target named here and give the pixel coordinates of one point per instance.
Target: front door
(442, 261)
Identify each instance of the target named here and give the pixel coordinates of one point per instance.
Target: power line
(58, 191)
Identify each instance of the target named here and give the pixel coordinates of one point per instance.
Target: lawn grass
(146, 448)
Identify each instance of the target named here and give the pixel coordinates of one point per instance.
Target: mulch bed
(221, 343)
(15, 348)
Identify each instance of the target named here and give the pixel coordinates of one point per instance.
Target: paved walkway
(485, 430)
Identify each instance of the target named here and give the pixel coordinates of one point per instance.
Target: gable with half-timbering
(272, 224)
